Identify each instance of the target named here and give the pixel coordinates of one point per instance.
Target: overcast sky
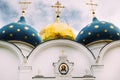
(77, 14)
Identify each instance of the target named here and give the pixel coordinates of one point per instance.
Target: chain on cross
(58, 6)
(24, 5)
(92, 7)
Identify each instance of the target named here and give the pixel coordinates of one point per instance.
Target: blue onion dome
(20, 32)
(98, 31)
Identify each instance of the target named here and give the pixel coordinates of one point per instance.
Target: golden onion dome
(57, 30)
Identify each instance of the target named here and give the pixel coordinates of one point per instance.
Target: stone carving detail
(63, 67)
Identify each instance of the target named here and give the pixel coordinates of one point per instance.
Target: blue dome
(98, 30)
(20, 31)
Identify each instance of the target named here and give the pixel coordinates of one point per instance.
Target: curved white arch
(105, 49)
(62, 42)
(13, 48)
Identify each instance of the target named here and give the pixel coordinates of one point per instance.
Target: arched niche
(45, 54)
(110, 57)
(10, 58)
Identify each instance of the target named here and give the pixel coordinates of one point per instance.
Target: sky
(76, 13)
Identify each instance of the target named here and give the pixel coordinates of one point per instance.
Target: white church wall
(110, 57)
(45, 54)
(10, 59)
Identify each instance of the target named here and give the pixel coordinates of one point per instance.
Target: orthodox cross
(58, 6)
(92, 7)
(24, 5)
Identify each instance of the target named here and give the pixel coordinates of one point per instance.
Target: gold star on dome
(98, 35)
(105, 30)
(3, 31)
(11, 26)
(81, 32)
(18, 30)
(11, 35)
(26, 28)
(57, 6)
(36, 43)
(103, 22)
(83, 40)
(89, 33)
(25, 37)
(24, 6)
(33, 34)
(111, 27)
(118, 34)
(96, 26)
(92, 7)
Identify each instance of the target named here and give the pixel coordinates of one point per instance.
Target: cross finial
(92, 7)
(24, 6)
(58, 6)
(62, 52)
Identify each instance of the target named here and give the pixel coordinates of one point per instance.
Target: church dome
(98, 31)
(57, 30)
(20, 32)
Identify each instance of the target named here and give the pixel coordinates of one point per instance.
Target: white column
(97, 71)
(25, 71)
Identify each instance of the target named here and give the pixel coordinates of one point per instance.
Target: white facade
(99, 61)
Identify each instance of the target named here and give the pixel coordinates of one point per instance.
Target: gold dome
(57, 30)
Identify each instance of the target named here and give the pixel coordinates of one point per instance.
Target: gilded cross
(58, 6)
(92, 7)
(24, 5)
